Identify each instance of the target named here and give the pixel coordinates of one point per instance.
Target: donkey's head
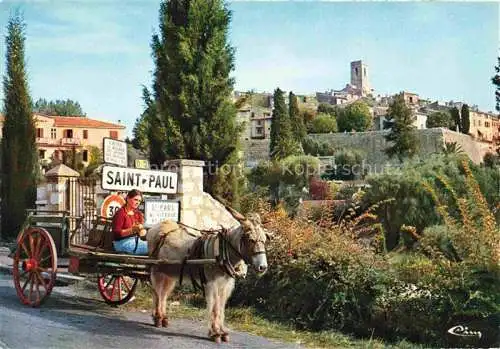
(253, 241)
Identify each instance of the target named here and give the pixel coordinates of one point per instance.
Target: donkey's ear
(269, 235)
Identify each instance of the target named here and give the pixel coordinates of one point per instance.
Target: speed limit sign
(111, 204)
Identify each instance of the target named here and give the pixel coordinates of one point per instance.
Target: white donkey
(233, 249)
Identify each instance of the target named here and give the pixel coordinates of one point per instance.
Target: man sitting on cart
(128, 226)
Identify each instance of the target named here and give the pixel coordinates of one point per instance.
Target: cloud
(88, 29)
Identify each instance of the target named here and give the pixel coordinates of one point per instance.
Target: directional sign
(147, 181)
(115, 152)
(157, 210)
(111, 204)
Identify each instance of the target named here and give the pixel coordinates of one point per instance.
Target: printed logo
(464, 331)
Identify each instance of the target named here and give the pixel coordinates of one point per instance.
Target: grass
(186, 305)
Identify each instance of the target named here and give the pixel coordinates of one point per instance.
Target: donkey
(233, 248)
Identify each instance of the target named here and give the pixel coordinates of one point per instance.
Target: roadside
(186, 306)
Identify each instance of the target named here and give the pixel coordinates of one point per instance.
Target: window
(113, 134)
(356, 70)
(41, 153)
(486, 124)
(85, 134)
(39, 133)
(411, 99)
(68, 133)
(53, 133)
(259, 122)
(85, 155)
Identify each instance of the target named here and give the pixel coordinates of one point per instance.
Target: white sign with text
(147, 181)
(115, 152)
(157, 210)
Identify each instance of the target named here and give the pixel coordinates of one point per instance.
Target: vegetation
(322, 123)
(282, 138)
(296, 119)
(496, 82)
(191, 113)
(455, 116)
(329, 275)
(316, 147)
(355, 117)
(465, 119)
(440, 119)
(58, 107)
(19, 152)
(402, 134)
(347, 166)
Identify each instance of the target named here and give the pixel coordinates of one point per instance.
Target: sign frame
(106, 155)
(152, 200)
(138, 179)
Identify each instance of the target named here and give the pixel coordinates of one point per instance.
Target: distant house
(58, 135)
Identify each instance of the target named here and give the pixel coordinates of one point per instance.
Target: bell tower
(359, 77)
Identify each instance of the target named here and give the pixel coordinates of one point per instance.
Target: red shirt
(122, 220)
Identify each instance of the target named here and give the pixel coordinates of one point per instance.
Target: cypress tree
(455, 116)
(296, 119)
(192, 88)
(402, 133)
(19, 155)
(496, 82)
(465, 120)
(282, 142)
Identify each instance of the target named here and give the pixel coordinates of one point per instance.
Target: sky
(97, 52)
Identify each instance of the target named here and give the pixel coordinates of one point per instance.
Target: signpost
(147, 181)
(158, 210)
(111, 204)
(115, 152)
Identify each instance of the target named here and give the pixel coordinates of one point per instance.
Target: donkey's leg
(226, 290)
(212, 299)
(157, 285)
(168, 287)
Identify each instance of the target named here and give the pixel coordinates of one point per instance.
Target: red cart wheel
(35, 266)
(116, 289)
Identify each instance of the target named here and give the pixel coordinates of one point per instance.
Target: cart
(49, 235)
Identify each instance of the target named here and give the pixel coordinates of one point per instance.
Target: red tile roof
(76, 121)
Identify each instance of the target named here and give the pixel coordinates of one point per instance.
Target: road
(69, 321)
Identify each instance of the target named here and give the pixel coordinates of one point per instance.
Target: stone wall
(373, 143)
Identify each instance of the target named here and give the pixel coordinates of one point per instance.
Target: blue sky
(97, 51)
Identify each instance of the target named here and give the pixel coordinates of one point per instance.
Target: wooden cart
(49, 235)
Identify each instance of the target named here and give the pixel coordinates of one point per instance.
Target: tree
(323, 123)
(465, 120)
(296, 119)
(141, 128)
(282, 142)
(19, 153)
(402, 131)
(496, 81)
(455, 117)
(356, 116)
(439, 119)
(58, 107)
(193, 115)
(327, 109)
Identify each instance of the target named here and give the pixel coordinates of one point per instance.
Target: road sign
(158, 210)
(115, 152)
(111, 204)
(141, 163)
(147, 181)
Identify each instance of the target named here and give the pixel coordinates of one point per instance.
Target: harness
(211, 244)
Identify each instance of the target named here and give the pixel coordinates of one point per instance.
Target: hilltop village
(255, 112)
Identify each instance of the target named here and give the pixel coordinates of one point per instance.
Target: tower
(359, 77)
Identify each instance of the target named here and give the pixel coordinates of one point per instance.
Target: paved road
(69, 321)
